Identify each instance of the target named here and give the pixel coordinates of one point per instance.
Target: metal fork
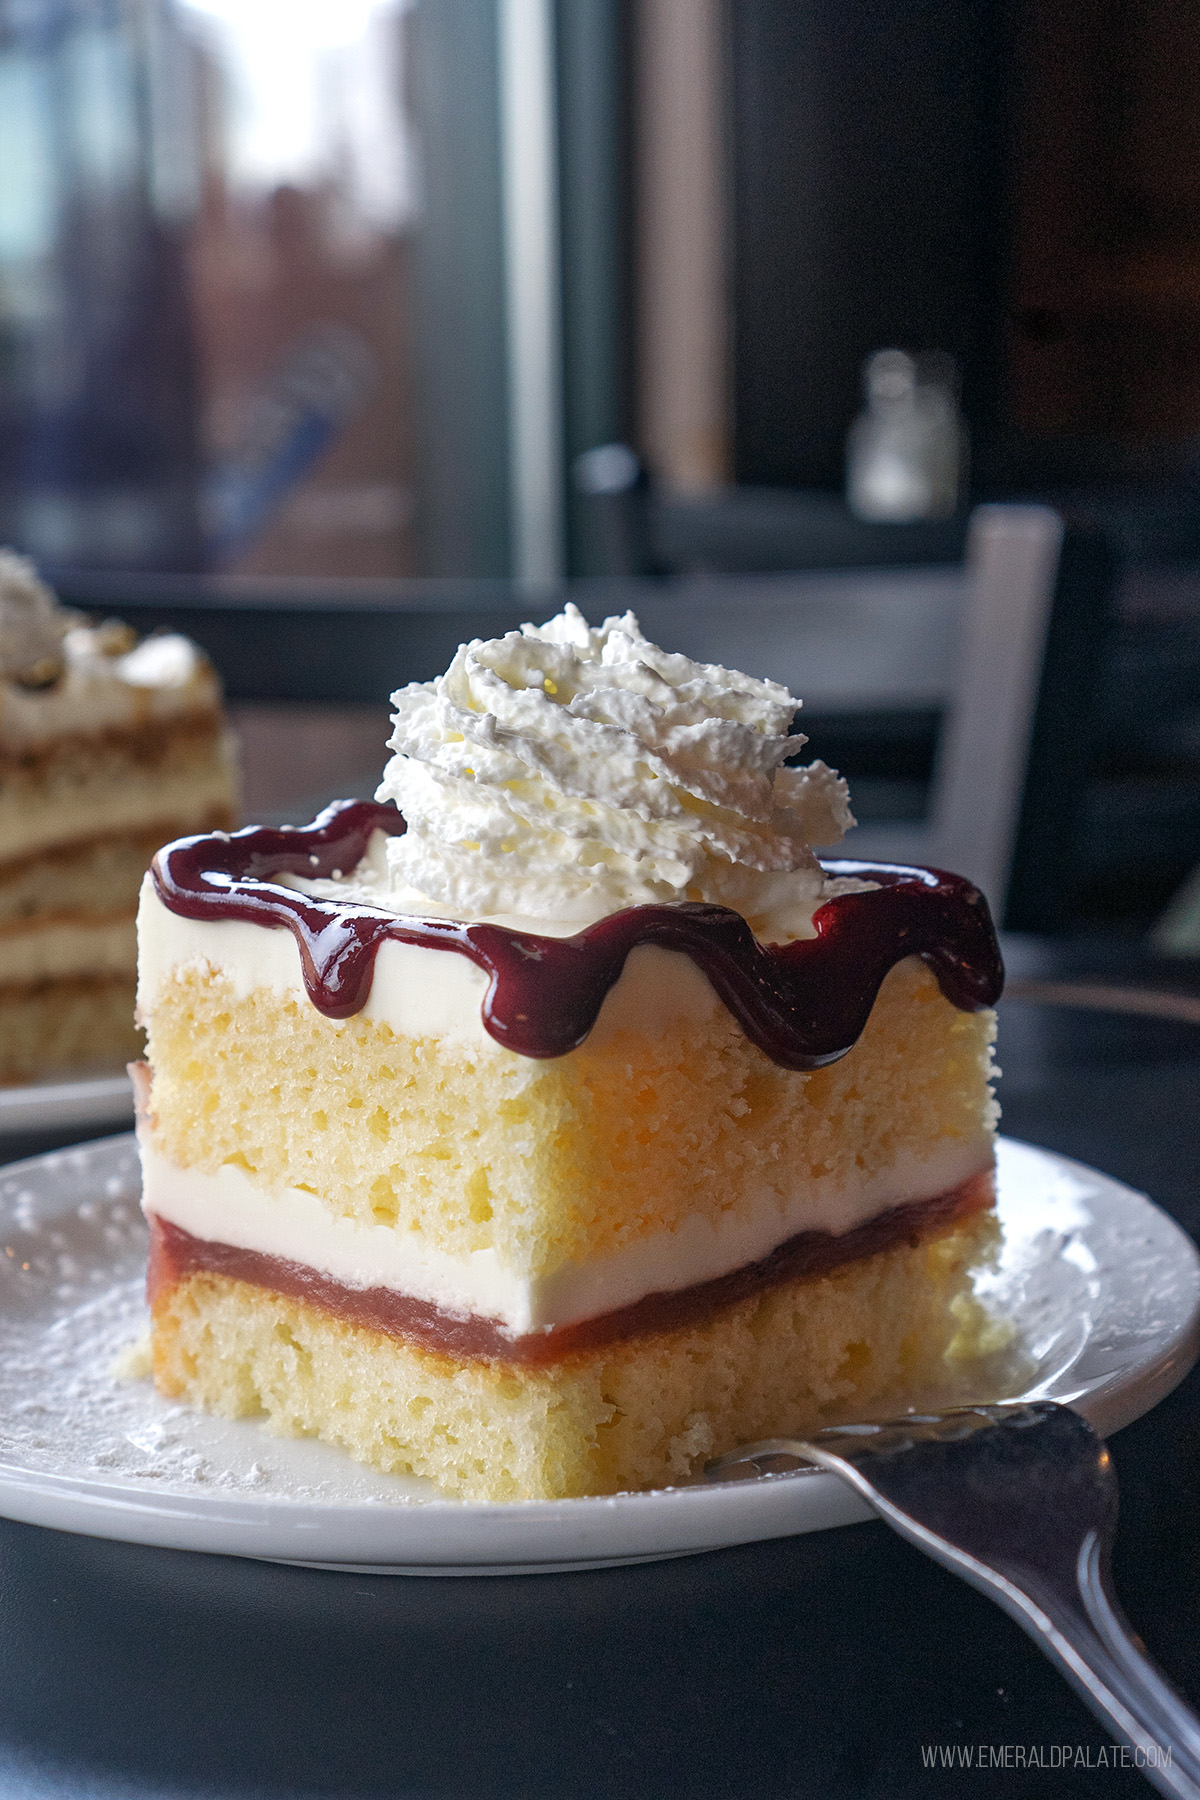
(1021, 1501)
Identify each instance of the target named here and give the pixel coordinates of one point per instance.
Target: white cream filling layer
(229, 1207)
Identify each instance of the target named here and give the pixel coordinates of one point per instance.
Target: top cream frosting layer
(418, 992)
(561, 773)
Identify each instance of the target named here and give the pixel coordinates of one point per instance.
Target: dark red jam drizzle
(804, 1003)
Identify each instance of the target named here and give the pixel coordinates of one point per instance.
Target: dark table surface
(838, 1664)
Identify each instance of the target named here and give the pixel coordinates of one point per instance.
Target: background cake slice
(108, 748)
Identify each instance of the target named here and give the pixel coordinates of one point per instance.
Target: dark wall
(867, 160)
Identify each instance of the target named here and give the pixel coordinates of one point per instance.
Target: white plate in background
(85, 1102)
(1103, 1288)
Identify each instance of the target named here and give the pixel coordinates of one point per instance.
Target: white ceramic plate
(1104, 1290)
(53, 1105)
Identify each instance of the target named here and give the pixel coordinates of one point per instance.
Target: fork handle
(1081, 1628)
(1019, 1499)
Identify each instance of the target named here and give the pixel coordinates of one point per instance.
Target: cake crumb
(135, 1362)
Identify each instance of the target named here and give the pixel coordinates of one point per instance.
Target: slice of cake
(571, 1122)
(108, 748)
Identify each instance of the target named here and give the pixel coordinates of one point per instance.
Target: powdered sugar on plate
(75, 1395)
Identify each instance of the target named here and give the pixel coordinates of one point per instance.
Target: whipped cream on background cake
(61, 675)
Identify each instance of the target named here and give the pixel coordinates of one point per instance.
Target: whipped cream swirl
(561, 773)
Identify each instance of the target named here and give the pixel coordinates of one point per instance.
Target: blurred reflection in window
(203, 216)
(98, 458)
(298, 281)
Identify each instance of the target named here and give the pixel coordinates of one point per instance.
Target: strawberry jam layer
(175, 1254)
(803, 1003)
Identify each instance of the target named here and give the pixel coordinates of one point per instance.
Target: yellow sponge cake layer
(627, 1141)
(862, 1340)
